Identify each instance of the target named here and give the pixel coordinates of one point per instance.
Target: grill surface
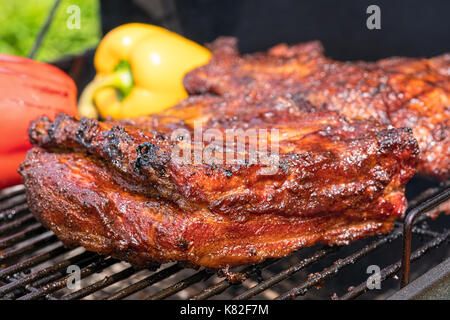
(34, 263)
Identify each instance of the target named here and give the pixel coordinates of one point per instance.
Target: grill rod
(270, 282)
(11, 192)
(42, 240)
(394, 268)
(411, 217)
(338, 265)
(183, 284)
(144, 283)
(225, 284)
(83, 257)
(9, 214)
(94, 265)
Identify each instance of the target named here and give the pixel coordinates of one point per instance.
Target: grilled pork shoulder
(403, 92)
(116, 187)
(84, 202)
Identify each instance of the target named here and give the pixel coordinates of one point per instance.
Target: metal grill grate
(33, 263)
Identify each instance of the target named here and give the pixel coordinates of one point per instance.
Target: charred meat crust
(403, 92)
(114, 188)
(77, 197)
(324, 165)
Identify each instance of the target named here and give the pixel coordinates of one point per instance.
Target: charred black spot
(52, 128)
(183, 243)
(147, 156)
(388, 140)
(284, 166)
(112, 146)
(228, 173)
(377, 89)
(82, 135)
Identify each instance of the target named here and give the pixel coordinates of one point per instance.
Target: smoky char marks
(403, 92)
(125, 149)
(78, 197)
(421, 101)
(229, 73)
(111, 142)
(325, 162)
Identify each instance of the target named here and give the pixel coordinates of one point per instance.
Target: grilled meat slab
(325, 162)
(116, 187)
(83, 200)
(403, 92)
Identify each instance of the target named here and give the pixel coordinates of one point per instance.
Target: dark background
(408, 28)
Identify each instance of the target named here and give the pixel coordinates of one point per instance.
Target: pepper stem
(121, 79)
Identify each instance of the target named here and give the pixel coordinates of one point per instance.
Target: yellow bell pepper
(140, 70)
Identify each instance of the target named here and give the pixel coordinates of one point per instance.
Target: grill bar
(425, 232)
(105, 282)
(183, 284)
(16, 223)
(9, 214)
(225, 284)
(30, 231)
(394, 268)
(144, 283)
(407, 229)
(38, 242)
(31, 262)
(11, 192)
(94, 265)
(9, 204)
(283, 275)
(317, 278)
(45, 272)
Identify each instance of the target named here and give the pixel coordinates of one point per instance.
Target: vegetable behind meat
(28, 89)
(140, 70)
